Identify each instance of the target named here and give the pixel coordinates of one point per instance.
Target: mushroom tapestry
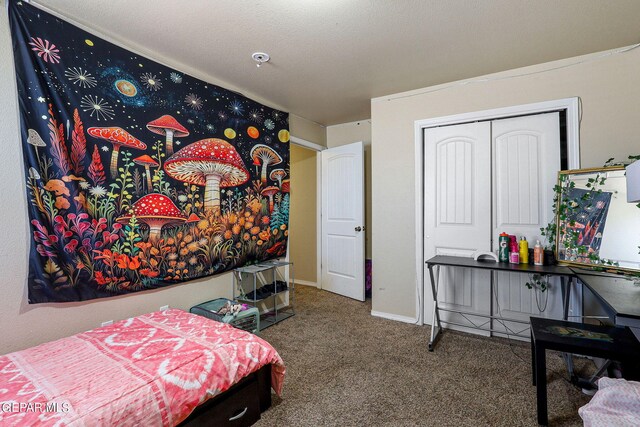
(138, 176)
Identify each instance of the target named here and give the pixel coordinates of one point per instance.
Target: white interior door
(342, 263)
(458, 217)
(526, 161)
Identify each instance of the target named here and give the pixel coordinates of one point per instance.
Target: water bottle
(503, 244)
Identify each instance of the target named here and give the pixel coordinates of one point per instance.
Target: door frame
(317, 148)
(570, 105)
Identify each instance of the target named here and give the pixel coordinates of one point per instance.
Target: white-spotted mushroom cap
(155, 210)
(154, 206)
(117, 136)
(211, 156)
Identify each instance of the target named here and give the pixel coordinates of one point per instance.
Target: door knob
(358, 228)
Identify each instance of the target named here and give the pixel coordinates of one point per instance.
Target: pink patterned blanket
(150, 370)
(616, 403)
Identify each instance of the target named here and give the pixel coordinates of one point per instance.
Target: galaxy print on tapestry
(137, 175)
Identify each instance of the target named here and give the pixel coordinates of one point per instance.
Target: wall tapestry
(588, 221)
(137, 175)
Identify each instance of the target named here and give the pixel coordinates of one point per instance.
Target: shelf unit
(259, 275)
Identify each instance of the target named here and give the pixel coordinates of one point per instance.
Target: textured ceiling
(329, 57)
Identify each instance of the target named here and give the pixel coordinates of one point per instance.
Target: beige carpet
(347, 368)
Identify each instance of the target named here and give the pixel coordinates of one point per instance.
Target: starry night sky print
(160, 90)
(60, 69)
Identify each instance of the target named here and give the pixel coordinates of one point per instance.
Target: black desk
(564, 273)
(619, 295)
(607, 342)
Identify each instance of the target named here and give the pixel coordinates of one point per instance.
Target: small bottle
(513, 242)
(524, 251)
(514, 255)
(538, 254)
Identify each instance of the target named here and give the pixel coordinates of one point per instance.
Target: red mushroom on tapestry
(267, 157)
(119, 138)
(212, 163)
(285, 187)
(156, 211)
(269, 192)
(193, 218)
(169, 127)
(148, 163)
(277, 175)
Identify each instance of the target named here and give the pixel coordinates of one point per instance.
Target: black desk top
(621, 294)
(599, 341)
(455, 261)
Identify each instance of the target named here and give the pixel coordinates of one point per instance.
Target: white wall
(346, 133)
(608, 85)
(24, 325)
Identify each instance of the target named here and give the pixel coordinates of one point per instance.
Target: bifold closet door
(526, 161)
(458, 216)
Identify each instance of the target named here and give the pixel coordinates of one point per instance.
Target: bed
(159, 369)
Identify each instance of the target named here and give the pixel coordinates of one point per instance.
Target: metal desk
(565, 274)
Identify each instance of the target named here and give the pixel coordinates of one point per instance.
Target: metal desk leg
(566, 297)
(566, 294)
(533, 360)
(436, 327)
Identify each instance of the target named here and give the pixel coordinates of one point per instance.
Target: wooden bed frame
(241, 405)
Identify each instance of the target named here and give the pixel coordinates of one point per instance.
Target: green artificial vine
(538, 281)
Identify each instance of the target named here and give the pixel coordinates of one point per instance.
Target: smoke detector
(260, 58)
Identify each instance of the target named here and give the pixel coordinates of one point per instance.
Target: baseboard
(395, 317)
(306, 283)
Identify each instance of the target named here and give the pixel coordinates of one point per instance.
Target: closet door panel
(526, 161)
(517, 179)
(458, 216)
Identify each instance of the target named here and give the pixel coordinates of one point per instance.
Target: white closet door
(458, 216)
(526, 161)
